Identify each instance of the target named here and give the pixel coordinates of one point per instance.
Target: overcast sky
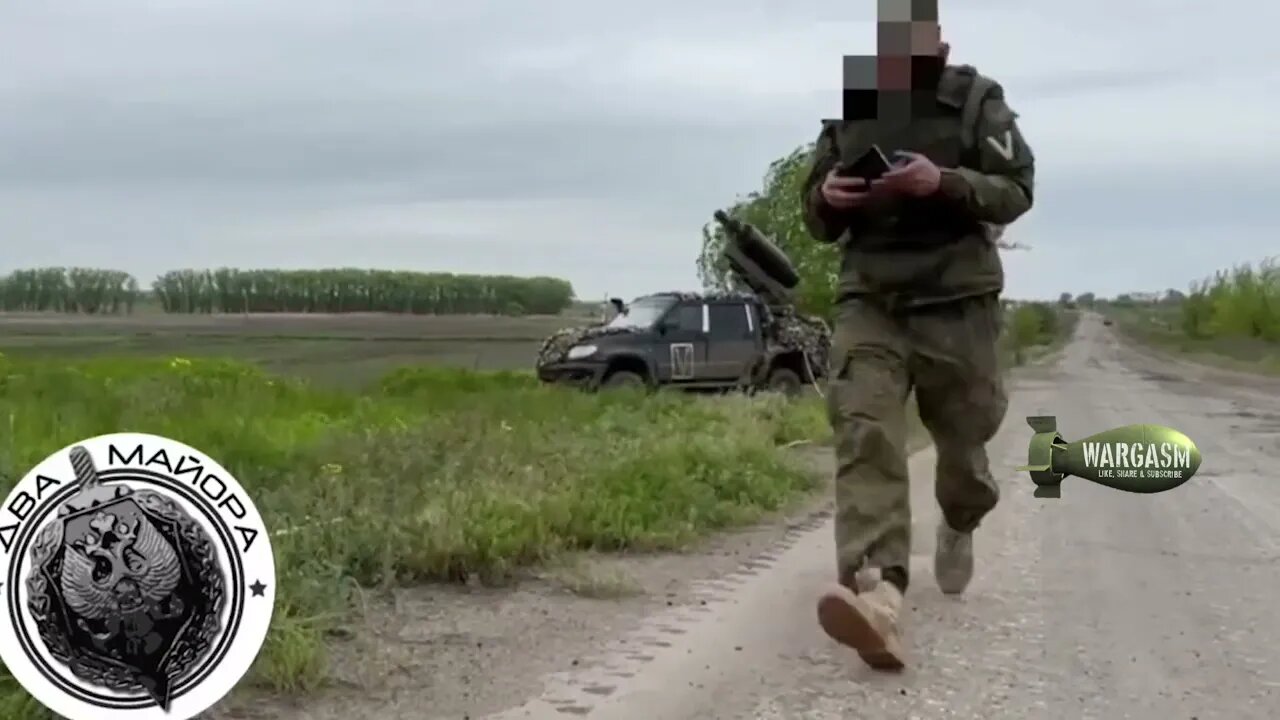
(591, 140)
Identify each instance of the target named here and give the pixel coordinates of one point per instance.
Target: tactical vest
(964, 94)
(970, 116)
(918, 251)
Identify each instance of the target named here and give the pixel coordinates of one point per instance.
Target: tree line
(232, 290)
(1242, 302)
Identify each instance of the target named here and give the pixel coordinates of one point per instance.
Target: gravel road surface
(1096, 605)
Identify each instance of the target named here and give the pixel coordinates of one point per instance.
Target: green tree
(1243, 302)
(776, 211)
(338, 290)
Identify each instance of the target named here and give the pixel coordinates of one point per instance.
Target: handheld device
(871, 165)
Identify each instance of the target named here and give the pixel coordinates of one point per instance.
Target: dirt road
(1096, 605)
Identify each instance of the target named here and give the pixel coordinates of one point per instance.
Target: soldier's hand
(844, 193)
(917, 177)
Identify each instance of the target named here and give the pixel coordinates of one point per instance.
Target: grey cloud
(160, 135)
(1174, 75)
(505, 157)
(1157, 197)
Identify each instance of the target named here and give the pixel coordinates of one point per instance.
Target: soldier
(918, 308)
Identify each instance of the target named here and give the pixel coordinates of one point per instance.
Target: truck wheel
(785, 381)
(623, 379)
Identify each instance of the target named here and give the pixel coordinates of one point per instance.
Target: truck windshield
(643, 313)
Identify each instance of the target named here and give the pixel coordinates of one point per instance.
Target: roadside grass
(1034, 330)
(588, 575)
(432, 474)
(349, 362)
(1155, 327)
(435, 474)
(1231, 320)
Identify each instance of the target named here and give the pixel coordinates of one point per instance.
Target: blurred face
(901, 79)
(909, 50)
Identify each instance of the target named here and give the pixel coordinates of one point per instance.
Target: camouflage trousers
(948, 355)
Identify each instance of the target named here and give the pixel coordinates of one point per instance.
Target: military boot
(868, 623)
(953, 559)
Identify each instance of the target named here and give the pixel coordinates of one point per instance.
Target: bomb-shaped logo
(1134, 458)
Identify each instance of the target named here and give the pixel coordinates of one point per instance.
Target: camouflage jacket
(919, 251)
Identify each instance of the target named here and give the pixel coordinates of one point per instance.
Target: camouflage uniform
(919, 310)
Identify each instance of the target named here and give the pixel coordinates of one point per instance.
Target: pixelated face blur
(907, 36)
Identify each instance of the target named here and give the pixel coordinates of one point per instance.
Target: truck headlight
(577, 352)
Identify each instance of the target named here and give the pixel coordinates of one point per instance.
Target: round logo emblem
(138, 580)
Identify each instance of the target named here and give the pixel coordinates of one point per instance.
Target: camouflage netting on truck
(553, 349)
(790, 330)
(785, 329)
(683, 295)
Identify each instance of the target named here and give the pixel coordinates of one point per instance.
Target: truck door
(681, 354)
(733, 341)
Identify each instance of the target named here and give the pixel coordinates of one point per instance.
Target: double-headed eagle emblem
(125, 587)
(122, 575)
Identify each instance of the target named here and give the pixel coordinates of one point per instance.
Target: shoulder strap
(978, 90)
(969, 116)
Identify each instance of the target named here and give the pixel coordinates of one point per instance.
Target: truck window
(730, 322)
(687, 318)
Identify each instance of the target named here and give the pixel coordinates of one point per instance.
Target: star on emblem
(258, 588)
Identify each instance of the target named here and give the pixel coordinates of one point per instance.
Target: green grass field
(1231, 319)
(352, 350)
(388, 477)
(1159, 327)
(382, 458)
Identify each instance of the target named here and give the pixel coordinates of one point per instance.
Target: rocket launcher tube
(758, 262)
